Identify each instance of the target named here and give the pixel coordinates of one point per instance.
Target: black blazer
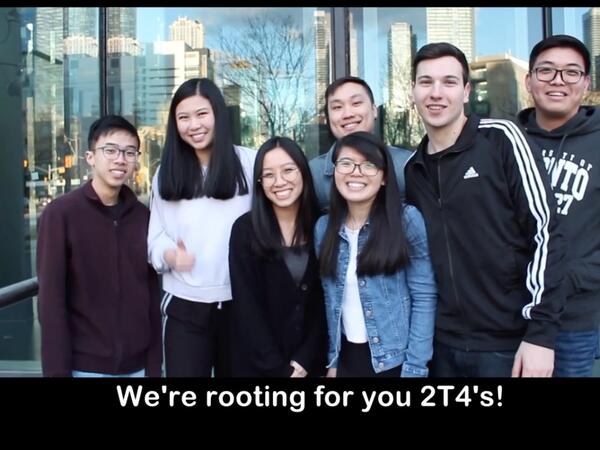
(274, 320)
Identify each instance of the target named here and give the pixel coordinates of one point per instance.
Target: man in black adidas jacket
(569, 137)
(492, 230)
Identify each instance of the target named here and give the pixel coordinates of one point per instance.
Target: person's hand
(533, 361)
(299, 371)
(331, 373)
(179, 259)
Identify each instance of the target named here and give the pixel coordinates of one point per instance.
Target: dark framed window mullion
(341, 43)
(102, 50)
(547, 22)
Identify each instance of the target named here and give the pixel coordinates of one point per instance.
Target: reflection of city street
(42, 185)
(40, 203)
(53, 180)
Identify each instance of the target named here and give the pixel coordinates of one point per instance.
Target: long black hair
(180, 175)
(268, 237)
(386, 249)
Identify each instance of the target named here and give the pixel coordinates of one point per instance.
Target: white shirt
(204, 225)
(353, 319)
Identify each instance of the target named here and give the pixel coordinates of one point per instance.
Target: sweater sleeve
(158, 238)
(535, 210)
(423, 297)
(52, 295)
(249, 314)
(155, 351)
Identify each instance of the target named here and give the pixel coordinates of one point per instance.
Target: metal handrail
(14, 293)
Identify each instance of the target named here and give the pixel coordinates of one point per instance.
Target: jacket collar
(586, 120)
(126, 196)
(329, 166)
(464, 141)
(365, 227)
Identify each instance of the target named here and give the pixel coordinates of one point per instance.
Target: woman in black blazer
(279, 327)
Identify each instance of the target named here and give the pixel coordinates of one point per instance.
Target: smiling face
(109, 175)
(281, 179)
(355, 187)
(196, 123)
(439, 93)
(349, 109)
(556, 101)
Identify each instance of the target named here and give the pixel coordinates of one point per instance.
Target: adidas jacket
(572, 158)
(493, 239)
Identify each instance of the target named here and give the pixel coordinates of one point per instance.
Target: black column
(15, 321)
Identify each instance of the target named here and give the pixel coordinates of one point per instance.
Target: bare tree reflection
(268, 59)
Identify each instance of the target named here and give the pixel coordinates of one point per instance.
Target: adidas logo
(471, 173)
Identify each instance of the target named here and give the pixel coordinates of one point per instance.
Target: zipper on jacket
(118, 323)
(448, 249)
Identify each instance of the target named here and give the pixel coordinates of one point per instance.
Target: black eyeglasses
(547, 74)
(111, 152)
(346, 166)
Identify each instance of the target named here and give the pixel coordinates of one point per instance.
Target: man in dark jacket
(569, 137)
(99, 305)
(490, 217)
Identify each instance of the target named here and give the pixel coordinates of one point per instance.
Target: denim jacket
(399, 309)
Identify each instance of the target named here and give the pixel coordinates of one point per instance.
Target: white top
(353, 319)
(204, 225)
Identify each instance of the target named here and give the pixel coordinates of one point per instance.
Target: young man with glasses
(491, 225)
(569, 134)
(99, 305)
(350, 107)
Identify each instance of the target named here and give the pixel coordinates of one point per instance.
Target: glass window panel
(16, 338)
(584, 24)
(53, 56)
(60, 98)
(496, 41)
(272, 65)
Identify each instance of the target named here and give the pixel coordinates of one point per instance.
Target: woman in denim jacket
(380, 291)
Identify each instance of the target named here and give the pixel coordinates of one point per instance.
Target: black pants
(455, 363)
(355, 361)
(197, 338)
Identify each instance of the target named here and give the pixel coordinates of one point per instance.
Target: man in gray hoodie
(568, 135)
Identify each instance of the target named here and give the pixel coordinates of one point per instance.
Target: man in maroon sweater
(99, 305)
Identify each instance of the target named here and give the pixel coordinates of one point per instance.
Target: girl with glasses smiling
(278, 313)
(380, 292)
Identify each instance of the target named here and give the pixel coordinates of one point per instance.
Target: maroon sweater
(99, 304)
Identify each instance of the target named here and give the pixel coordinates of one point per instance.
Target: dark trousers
(197, 338)
(452, 362)
(355, 361)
